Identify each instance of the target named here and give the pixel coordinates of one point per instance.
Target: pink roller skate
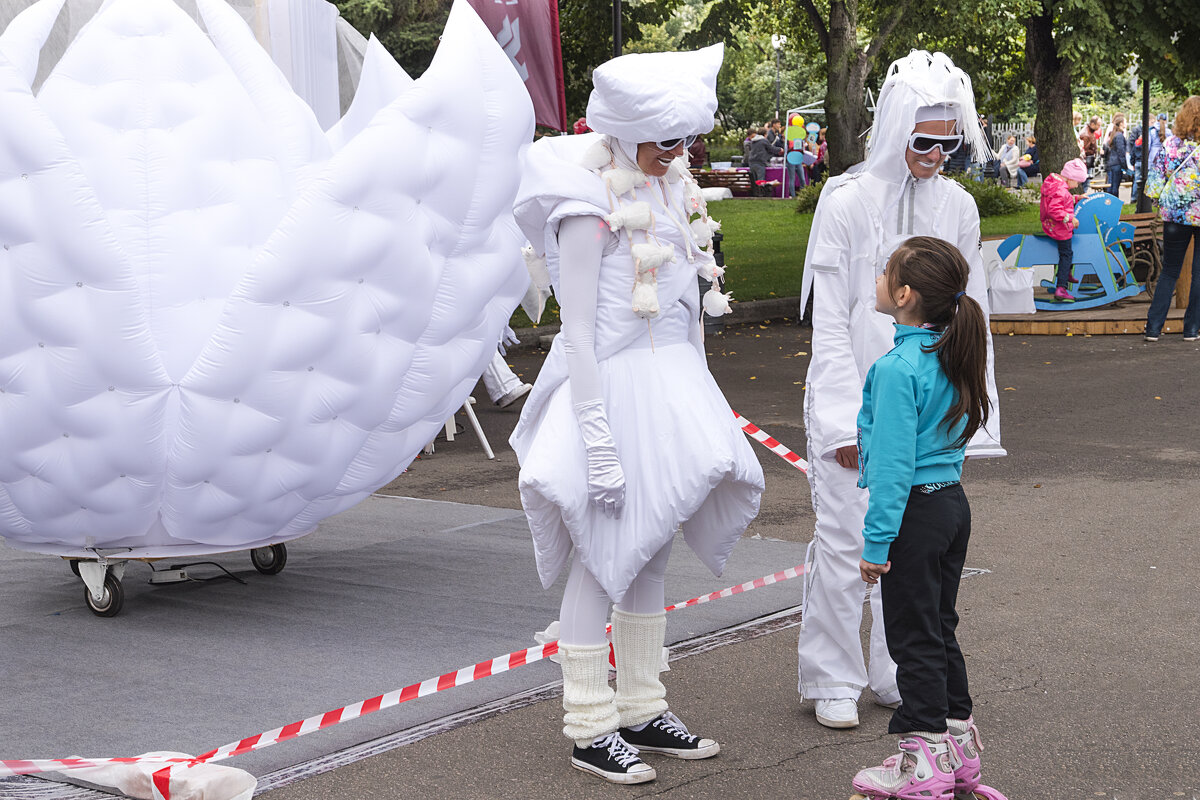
(964, 741)
(966, 746)
(922, 770)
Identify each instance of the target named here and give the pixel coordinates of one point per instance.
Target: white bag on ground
(195, 782)
(1010, 290)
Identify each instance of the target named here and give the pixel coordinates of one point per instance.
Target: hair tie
(960, 294)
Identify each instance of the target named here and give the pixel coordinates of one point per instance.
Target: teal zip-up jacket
(902, 441)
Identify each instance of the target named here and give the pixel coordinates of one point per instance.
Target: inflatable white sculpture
(219, 325)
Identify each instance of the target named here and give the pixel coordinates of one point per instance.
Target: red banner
(528, 32)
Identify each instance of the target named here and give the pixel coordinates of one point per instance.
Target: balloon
(795, 132)
(797, 120)
(812, 127)
(795, 157)
(234, 352)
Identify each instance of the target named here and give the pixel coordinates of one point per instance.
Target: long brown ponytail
(935, 270)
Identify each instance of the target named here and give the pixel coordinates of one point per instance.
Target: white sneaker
(838, 713)
(891, 700)
(515, 395)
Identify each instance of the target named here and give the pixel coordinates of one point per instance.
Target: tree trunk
(845, 93)
(1052, 86)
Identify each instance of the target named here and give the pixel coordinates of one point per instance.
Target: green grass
(765, 241)
(764, 246)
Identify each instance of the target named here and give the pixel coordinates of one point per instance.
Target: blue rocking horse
(1100, 273)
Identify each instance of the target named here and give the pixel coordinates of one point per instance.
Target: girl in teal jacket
(922, 402)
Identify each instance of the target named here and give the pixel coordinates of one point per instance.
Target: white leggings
(584, 612)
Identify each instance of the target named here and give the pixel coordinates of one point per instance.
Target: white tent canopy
(307, 39)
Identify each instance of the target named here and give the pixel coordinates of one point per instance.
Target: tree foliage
(851, 34)
(993, 54)
(409, 29)
(1064, 50)
(1167, 38)
(587, 39)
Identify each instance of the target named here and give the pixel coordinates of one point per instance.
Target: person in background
(1135, 161)
(822, 164)
(1010, 158)
(502, 384)
(761, 151)
(1030, 161)
(1057, 213)
(793, 174)
(1088, 148)
(1158, 133)
(808, 151)
(698, 154)
(1174, 180)
(1117, 152)
(775, 134)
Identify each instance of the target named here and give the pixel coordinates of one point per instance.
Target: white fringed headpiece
(921, 80)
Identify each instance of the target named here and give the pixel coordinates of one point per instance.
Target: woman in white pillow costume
(626, 437)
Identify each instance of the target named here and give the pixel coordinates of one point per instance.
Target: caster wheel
(269, 560)
(111, 601)
(74, 564)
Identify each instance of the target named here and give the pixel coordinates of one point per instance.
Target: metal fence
(1001, 132)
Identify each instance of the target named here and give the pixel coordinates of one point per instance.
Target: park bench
(737, 181)
(1145, 258)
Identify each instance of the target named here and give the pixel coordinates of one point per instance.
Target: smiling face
(654, 161)
(926, 165)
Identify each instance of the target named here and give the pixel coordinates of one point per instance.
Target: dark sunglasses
(922, 143)
(671, 144)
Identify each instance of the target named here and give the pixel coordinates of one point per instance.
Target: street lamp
(777, 43)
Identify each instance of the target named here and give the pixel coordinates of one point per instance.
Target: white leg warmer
(638, 640)
(587, 697)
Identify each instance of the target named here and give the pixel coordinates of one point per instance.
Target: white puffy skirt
(686, 462)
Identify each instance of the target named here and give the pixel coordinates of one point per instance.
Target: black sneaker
(668, 735)
(613, 759)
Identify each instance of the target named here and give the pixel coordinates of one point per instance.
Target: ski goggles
(923, 143)
(671, 144)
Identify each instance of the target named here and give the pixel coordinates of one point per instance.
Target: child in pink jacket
(1059, 220)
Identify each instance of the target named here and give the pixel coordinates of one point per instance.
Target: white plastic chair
(450, 425)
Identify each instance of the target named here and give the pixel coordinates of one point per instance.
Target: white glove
(606, 480)
(508, 337)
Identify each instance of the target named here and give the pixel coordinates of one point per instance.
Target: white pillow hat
(648, 97)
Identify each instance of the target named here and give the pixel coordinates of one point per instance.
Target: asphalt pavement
(1079, 615)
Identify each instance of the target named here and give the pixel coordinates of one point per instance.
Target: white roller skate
(922, 770)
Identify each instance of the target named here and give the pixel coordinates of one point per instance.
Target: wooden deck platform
(1125, 316)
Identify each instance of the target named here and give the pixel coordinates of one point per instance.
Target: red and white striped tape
(771, 443)
(757, 583)
(449, 680)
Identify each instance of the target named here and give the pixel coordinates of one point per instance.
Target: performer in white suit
(626, 436)
(926, 111)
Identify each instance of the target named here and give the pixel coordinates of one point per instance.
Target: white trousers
(583, 615)
(830, 648)
(498, 379)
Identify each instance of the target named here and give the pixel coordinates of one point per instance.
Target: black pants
(919, 594)
(1065, 257)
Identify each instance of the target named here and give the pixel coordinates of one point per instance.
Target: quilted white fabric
(218, 325)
